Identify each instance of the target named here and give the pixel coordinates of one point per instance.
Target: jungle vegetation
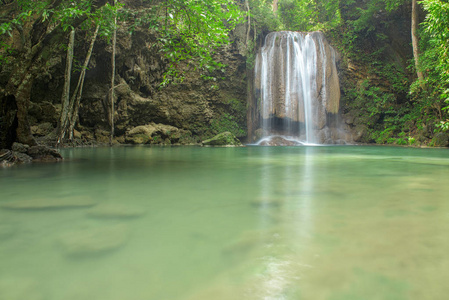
(398, 103)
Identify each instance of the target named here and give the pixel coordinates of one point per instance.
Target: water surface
(334, 223)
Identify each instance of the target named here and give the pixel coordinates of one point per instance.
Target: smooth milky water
(227, 223)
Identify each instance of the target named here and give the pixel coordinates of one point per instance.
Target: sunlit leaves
(436, 46)
(191, 31)
(308, 15)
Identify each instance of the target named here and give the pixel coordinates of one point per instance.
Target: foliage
(227, 122)
(263, 18)
(191, 31)
(53, 14)
(435, 60)
(308, 15)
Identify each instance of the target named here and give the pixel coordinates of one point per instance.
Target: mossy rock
(223, 139)
(441, 139)
(93, 241)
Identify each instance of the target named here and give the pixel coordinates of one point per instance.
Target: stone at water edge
(52, 203)
(278, 141)
(441, 139)
(92, 241)
(18, 147)
(43, 153)
(113, 210)
(223, 139)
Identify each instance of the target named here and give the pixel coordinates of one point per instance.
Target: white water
(292, 102)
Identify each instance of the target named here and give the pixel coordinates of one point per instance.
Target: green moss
(223, 139)
(228, 122)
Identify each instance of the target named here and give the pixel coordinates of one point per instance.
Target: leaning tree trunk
(22, 96)
(114, 43)
(65, 100)
(249, 23)
(275, 6)
(30, 62)
(77, 94)
(415, 40)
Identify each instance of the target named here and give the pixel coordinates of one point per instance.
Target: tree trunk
(249, 22)
(415, 40)
(114, 42)
(22, 96)
(65, 100)
(77, 94)
(30, 63)
(275, 6)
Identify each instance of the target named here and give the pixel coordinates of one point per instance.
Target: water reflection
(287, 196)
(248, 223)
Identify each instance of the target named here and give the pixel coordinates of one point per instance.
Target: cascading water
(297, 87)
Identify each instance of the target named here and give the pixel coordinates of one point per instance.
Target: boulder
(158, 134)
(22, 157)
(22, 148)
(223, 139)
(278, 141)
(94, 241)
(102, 136)
(43, 153)
(42, 129)
(140, 134)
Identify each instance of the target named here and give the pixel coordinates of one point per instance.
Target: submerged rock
(111, 210)
(6, 231)
(223, 139)
(441, 139)
(12, 288)
(267, 202)
(55, 203)
(93, 241)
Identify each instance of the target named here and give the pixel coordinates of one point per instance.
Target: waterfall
(296, 86)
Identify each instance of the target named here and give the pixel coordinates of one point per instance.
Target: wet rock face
(8, 121)
(191, 106)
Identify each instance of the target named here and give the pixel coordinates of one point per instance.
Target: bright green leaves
(190, 31)
(308, 15)
(363, 15)
(435, 60)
